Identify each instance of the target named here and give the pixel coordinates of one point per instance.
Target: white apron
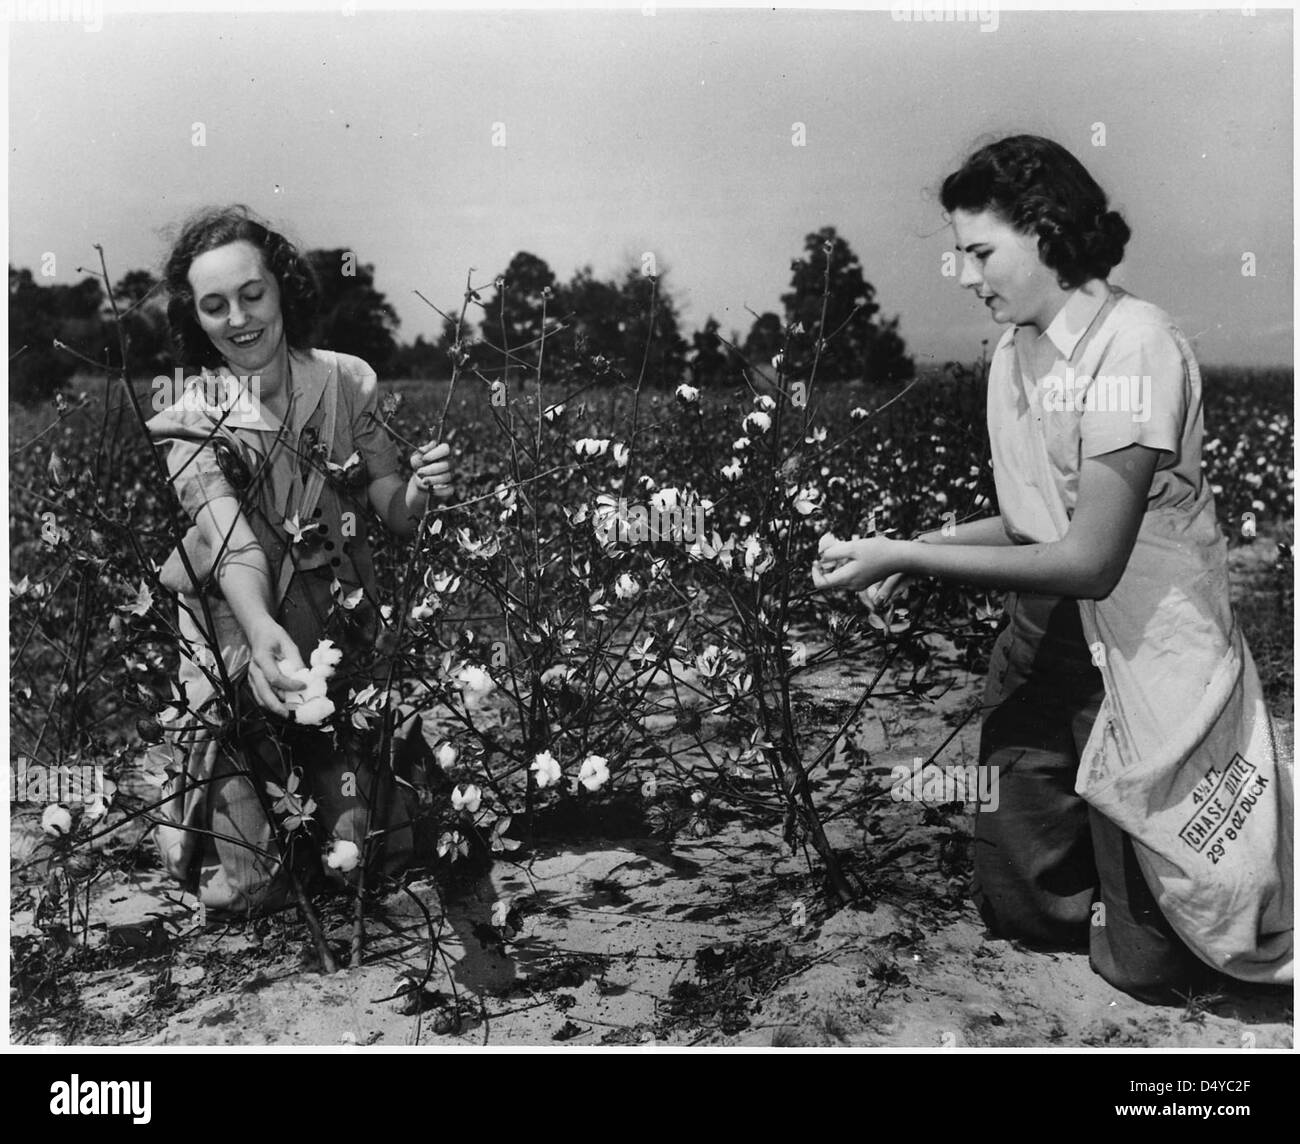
(1182, 755)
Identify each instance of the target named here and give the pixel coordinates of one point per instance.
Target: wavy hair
(1037, 187)
(219, 226)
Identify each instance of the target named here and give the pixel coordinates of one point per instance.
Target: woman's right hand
(882, 592)
(274, 653)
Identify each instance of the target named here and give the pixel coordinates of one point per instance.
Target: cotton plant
(600, 628)
(774, 498)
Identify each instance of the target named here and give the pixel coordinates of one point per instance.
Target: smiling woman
(245, 267)
(239, 309)
(283, 568)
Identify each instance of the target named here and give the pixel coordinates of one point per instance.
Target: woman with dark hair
(1122, 701)
(224, 226)
(276, 454)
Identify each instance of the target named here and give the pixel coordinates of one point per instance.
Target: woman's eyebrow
(970, 249)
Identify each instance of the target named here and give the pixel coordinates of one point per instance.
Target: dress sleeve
(1139, 396)
(192, 464)
(368, 436)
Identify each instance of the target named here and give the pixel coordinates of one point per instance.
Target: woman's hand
(274, 653)
(881, 594)
(856, 564)
(403, 503)
(431, 470)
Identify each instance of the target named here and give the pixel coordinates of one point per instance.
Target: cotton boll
(466, 798)
(310, 705)
(594, 772)
(474, 680)
(314, 686)
(806, 501)
(666, 499)
(554, 675)
(326, 657)
(314, 711)
(56, 821)
(547, 769)
(343, 856)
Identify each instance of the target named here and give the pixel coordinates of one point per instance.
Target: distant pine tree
(858, 346)
(355, 318)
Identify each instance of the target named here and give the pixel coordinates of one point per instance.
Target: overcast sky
(673, 133)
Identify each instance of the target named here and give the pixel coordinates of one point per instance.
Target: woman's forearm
(241, 573)
(1086, 563)
(1050, 569)
(400, 503)
(987, 530)
(406, 507)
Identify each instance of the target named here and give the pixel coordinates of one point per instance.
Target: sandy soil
(627, 938)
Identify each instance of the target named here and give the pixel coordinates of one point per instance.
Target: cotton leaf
(141, 604)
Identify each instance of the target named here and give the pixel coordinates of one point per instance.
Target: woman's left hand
(432, 470)
(855, 564)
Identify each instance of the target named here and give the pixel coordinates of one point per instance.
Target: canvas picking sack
(1183, 756)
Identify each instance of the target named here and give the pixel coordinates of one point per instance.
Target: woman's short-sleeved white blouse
(1109, 371)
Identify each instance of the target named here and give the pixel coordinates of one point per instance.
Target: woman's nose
(970, 276)
(237, 317)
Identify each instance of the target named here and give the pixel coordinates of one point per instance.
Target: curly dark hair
(1038, 187)
(219, 226)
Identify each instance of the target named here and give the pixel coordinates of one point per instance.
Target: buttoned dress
(303, 491)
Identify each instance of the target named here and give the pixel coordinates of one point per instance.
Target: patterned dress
(302, 484)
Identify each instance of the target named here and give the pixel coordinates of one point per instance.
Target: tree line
(605, 327)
